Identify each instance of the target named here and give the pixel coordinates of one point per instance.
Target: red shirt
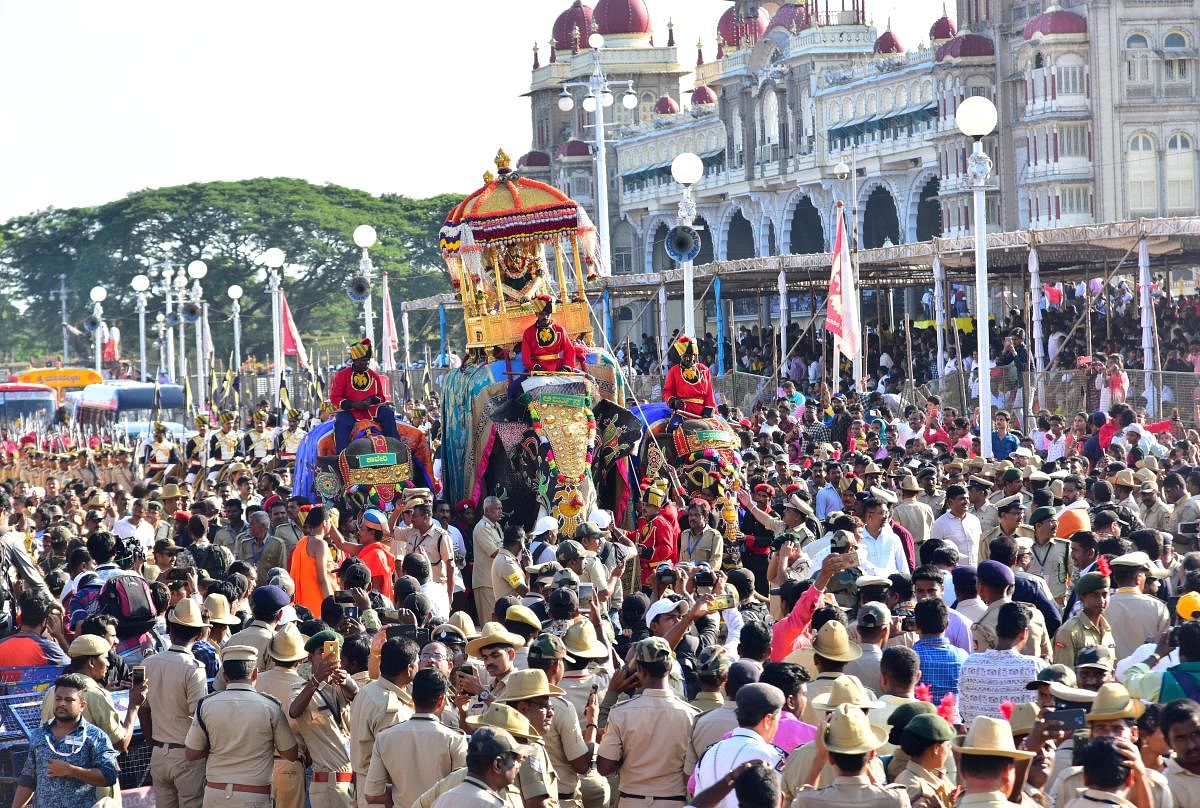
(693, 397)
(343, 389)
(555, 354)
(658, 535)
(378, 558)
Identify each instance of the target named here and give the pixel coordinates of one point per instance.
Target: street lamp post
(140, 284)
(273, 258)
(180, 284)
(160, 323)
(599, 95)
(98, 295)
(365, 237)
(844, 170)
(687, 169)
(976, 117)
(235, 294)
(169, 333)
(196, 270)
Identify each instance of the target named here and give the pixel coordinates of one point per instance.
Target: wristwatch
(485, 694)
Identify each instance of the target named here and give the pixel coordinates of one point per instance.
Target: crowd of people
(894, 619)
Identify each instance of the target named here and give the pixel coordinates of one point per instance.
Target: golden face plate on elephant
(566, 428)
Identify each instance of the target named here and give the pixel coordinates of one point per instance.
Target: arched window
(770, 118)
(1175, 65)
(737, 136)
(1181, 174)
(1136, 41)
(1175, 40)
(1143, 174)
(624, 239)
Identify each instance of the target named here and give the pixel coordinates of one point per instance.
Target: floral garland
(550, 460)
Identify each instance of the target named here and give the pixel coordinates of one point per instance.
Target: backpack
(209, 558)
(127, 598)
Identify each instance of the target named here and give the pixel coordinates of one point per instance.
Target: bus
(104, 405)
(29, 403)
(62, 380)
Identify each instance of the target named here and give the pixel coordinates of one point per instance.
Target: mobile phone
(388, 615)
(139, 674)
(586, 591)
(1072, 718)
(851, 558)
(719, 604)
(350, 612)
(331, 649)
(342, 596)
(1190, 528)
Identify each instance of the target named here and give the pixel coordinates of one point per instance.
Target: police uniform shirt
(1158, 516)
(175, 684)
(988, 515)
(507, 574)
(412, 756)
(257, 635)
(914, 516)
(536, 778)
(706, 701)
(648, 735)
(1069, 787)
(935, 501)
(983, 632)
(921, 782)
(242, 730)
(726, 755)
(595, 573)
(274, 553)
(289, 533)
(708, 547)
(1052, 563)
(823, 683)
(1090, 798)
(487, 539)
(800, 761)
(437, 546)
(470, 793)
(322, 727)
(1135, 618)
(857, 791)
(1078, 633)
(564, 743)
(377, 706)
(578, 687)
(283, 685)
(707, 730)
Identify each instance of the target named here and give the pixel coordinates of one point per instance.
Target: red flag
(292, 345)
(841, 317)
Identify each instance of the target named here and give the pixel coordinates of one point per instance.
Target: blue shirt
(1003, 447)
(86, 746)
(940, 665)
(828, 501)
(204, 651)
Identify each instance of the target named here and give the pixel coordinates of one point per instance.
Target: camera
(908, 620)
(704, 576)
(665, 574)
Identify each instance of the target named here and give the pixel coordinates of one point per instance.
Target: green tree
(228, 225)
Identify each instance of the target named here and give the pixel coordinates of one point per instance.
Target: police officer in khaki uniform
(530, 693)
(995, 582)
(487, 539)
(927, 732)
(1156, 514)
(847, 691)
(712, 667)
(319, 711)
(978, 490)
(916, 517)
(932, 496)
(415, 754)
(239, 731)
(1009, 514)
(493, 759)
(1050, 557)
(985, 785)
(266, 604)
(1088, 626)
(282, 683)
(648, 734)
(700, 541)
(1135, 617)
(176, 684)
(381, 703)
(851, 741)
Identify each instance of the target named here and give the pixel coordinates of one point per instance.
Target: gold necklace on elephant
(360, 381)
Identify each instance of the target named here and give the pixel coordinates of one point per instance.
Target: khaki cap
(86, 645)
(846, 690)
(288, 644)
(850, 732)
(505, 718)
(1125, 478)
(1023, 717)
(170, 491)
(992, 737)
(463, 622)
(528, 684)
(1139, 560)
(1072, 695)
(1148, 462)
(1113, 702)
(186, 613)
(218, 610)
(523, 614)
(909, 484)
(494, 634)
(833, 642)
(581, 642)
(239, 653)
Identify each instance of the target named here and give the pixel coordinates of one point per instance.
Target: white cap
(663, 606)
(601, 519)
(545, 524)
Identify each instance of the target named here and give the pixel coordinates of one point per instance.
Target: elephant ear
(617, 433)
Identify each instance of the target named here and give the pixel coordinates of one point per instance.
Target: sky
(390, 96)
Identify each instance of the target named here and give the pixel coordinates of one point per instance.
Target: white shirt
(142, 531)
(723, 756)
(972, 608)
(989, 678)
(1055, 448)
(883, 551)
(438, 599)
(962, 533)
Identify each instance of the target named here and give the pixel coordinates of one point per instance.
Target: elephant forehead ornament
(566, 429)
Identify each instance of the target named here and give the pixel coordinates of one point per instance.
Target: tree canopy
(228, 225)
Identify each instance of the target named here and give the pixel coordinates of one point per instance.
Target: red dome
(704, 95)
(966, 46)
(574, 148)
(666, 106)
(734, 31)
(887, 43)
(942, 30)
(577, 16)
(1055, 22)
(622, 17)
(534, 159)
(790, 17)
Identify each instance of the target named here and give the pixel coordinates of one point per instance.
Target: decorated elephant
(372, 470)
(552, 443)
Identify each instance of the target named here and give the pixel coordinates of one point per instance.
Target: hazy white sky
(402, 96)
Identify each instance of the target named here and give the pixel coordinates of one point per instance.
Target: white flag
(841, 317)
(388, 341)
